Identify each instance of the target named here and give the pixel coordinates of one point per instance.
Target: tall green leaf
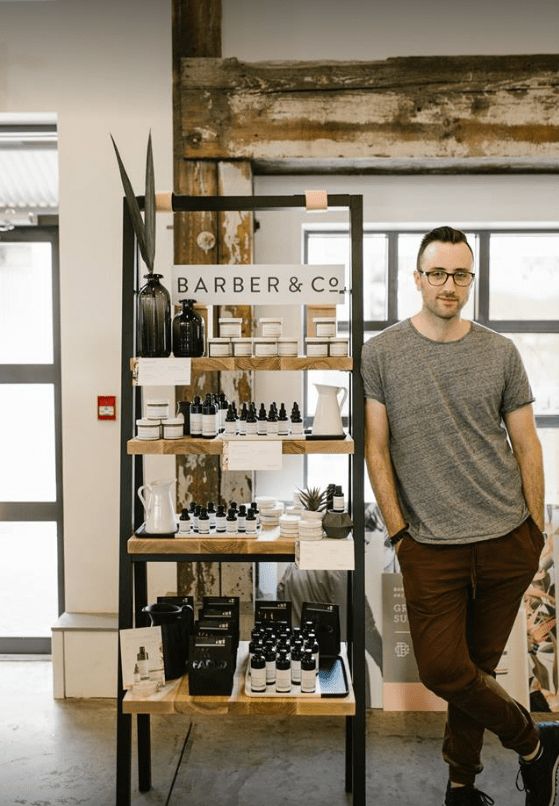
(133, 207)
(149, 209)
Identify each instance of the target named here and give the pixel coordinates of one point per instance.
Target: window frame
(482, 289)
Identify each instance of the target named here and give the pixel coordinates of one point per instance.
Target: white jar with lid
(288, 345)
(271, 326)
(325, 325)
(265, 346)
(242, 346)
(229, 327)
(317, 346)
(219, 347)
(148, 428)
(173, 427)
(157, 409)
(339, 346)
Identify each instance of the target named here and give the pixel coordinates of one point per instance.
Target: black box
(272, 612)
(179, 601)
(211, 665)
(222, 613)
(218, 625)
(326, 619)
(228, 601)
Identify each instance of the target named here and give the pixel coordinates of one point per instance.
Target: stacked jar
(230, 330)
(326, 343)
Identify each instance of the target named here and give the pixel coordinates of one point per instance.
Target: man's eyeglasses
(439, 277)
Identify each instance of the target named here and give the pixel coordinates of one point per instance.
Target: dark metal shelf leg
(143, 720)
(123, 757)
(348, 753)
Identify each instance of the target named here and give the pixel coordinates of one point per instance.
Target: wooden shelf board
(268, 541)
(174, 698)
(196, 445)
(270, 364)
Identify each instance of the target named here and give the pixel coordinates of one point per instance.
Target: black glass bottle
(154, 319)
(188, 332)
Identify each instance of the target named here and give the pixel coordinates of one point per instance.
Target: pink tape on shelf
(316, 200)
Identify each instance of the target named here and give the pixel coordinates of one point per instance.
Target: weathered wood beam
(410, 109)
(196, 33)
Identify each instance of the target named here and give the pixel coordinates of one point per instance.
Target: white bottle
(210, 422)
(283, 674)
(308, 673)
(257, 673)
(270, 667)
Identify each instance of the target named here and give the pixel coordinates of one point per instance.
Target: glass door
(31, 557)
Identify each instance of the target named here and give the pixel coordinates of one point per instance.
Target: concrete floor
(63, 752)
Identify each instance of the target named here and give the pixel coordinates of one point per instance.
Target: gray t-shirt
(458, 480)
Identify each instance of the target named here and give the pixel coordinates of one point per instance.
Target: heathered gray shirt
(458, 480)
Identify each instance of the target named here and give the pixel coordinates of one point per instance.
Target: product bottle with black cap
(196, 417)
(283, 672)
(308, 673)
(258, 673)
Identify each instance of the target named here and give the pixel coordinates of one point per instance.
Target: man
(463, 507)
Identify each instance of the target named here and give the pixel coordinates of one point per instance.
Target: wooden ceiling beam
(402, 109)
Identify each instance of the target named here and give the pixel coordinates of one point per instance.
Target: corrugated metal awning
(29, 179)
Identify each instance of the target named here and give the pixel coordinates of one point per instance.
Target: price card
(161, 371)
(251, 455)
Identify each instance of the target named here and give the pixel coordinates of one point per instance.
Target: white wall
(368, 30)
(101, 66)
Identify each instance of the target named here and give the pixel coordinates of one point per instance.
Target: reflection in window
(332, 247)
(26, 303)
(539, 353)
(524, 276)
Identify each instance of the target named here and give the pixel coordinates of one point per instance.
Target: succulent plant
(144, 228)
(313, 498)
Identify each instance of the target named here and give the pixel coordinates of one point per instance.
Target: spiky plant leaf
(313, 498)
(133, 207)
(149, 209)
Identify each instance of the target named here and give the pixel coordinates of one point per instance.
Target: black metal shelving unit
(133, 567)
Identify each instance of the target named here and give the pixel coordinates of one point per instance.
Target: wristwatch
(399, 535)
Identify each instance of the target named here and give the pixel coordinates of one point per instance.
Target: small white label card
(141, 643)
(161, 371)
(251, 455)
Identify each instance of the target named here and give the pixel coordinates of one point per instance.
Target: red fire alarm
(106, 407)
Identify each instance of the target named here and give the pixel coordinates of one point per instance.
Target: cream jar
(148, 429)
(339, 347)
(219, 347)
(242, 346)
(325, 326)
(271, 326)
(157, 409)
(265, 346)
(288, 345)
(173, 428)
(231, 328)
(317, 346)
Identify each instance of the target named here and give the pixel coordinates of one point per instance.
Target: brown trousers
(462, 601)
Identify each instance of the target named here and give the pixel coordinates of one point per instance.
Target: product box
(328, 554)
(211, 666)
(326, 619)
(222, 613)
(272, 611)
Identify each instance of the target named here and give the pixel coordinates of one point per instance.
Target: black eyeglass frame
(448, 274)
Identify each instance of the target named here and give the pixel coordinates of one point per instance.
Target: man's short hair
(443, 235)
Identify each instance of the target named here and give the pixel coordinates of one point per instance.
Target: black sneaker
(466, 796)
(539, 777)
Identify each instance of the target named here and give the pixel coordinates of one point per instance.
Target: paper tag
(161, 371)
(251, 455)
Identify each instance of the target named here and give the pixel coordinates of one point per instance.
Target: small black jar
(188, 332)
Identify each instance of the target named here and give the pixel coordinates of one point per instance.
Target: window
(30, 460)
(516, 292)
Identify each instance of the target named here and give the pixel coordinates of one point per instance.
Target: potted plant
(153, 339)
(313, 501)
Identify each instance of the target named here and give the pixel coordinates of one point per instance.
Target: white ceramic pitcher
(328, 415)
(159, 507)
